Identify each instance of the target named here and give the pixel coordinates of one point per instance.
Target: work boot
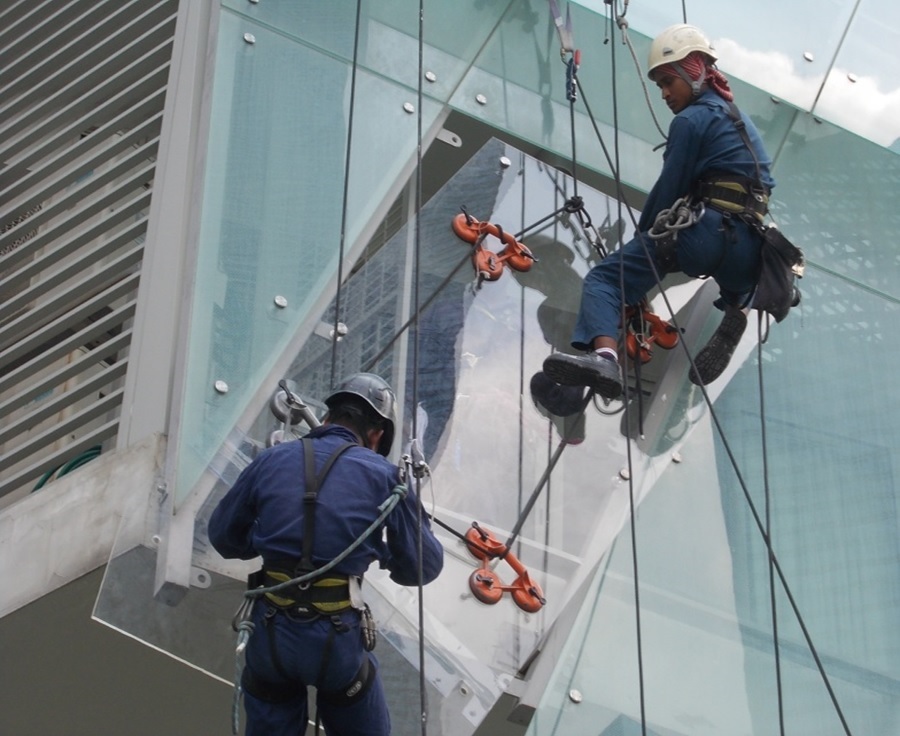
(715, 356)
(594, 371)
(563, 401)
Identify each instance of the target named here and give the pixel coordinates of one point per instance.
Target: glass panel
(520, 86)
(554, 487)
(835, 198)
(274, 188)
(706, 621)
(548, 487)
(836, 59)
(862, 93)
(389, 34)
(785, 49)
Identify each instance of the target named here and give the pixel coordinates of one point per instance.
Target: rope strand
(765, 463)
(345, 197)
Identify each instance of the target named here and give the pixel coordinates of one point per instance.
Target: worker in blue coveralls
(714, 156)
(321, 634)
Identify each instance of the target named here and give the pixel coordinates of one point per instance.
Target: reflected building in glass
(280, 207)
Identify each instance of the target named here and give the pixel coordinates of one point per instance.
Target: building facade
(202, 200)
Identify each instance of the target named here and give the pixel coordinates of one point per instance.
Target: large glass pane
(461, 353)
(272, 217)
(520, 85)
(862, 93)
(835, 198)
(785, 49)
(707, 645)
(389, 34)
(836, 59)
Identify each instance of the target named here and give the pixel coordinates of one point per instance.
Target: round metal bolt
(481, 99)
(808, 55)
(341, 330)
(249, 38)
(430, 77)
(775, 100)
(409, 107)
(254, 2)
(463, 690)
(676, 457)
(852, 77)
(280, 301)
(221, 387)
(505, 163)
(624, 474)
(575, 696)
(155, 539)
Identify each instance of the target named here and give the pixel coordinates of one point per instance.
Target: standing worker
(300, 505)
(714, 156)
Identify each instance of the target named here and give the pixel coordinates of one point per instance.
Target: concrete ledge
(68, 528)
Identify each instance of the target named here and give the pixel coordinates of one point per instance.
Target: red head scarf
(697, 67)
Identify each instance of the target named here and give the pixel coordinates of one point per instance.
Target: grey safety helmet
(378, 394)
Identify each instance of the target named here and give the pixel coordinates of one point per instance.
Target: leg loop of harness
(269, 692)
(355, 689)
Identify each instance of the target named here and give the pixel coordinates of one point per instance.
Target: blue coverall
(702, 139)
(262, 515)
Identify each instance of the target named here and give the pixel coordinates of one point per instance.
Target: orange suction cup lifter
(487, 263)
(486, 584)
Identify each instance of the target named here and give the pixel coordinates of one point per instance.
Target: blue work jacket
(263, 515)
(703, 139)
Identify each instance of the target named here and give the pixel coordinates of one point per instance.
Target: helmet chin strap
(696, 84)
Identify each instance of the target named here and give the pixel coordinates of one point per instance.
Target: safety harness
(309, 599)
(733, 194)
(323, 595)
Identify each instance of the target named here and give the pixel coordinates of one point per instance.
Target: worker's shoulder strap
(741, 126)
(313, 483)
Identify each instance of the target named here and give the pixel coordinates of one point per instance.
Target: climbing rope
(345, 196)
(423, 702)
(632, 505)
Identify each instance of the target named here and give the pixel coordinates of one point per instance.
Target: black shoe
(715, 356)
(563, 401)
(591, 370)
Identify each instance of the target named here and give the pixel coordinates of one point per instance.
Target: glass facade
(798, 437)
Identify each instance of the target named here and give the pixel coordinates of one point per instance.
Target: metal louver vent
(82, 88)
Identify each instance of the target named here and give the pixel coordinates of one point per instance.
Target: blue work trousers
(301, 647)
(723, 247)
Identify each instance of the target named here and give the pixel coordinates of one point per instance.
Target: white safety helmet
(675, 43)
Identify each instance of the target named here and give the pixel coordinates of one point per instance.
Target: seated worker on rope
(320, 633)
(715, 156)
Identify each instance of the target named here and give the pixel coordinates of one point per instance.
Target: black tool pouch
(781, 265)
(666, 256)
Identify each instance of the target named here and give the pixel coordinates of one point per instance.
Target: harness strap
(313, 483)
(738, 121)
(273, 648)
(734, 195)
(356, 688)
(327, 594)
